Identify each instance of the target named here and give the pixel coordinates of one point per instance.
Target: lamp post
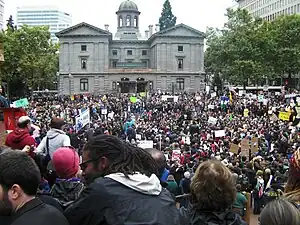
(57, 81)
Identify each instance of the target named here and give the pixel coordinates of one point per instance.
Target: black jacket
(107, 201)
(36, 212)
(194, 217)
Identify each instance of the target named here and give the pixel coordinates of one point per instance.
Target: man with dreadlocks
(123, 187)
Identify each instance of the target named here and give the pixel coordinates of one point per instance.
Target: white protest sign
(145, 144)
(104, 111)
(220, 133)
(212, 120)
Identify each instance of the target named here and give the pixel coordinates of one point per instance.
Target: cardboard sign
(234, 148)
(245, 144)
(3, 136)
(285, 116)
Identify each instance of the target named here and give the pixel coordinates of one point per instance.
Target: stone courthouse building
(92, 60)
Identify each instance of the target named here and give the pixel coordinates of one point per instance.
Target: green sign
(133, 99)
(21, 103)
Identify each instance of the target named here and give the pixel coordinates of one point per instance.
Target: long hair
(212, 187)
(122, 156)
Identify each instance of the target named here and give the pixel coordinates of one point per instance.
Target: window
(114, 64)
(83, 63)
(129, 52)
(180, 48)
(135, 21)
(120, 21)
(180, 64)
(144, 52)
(114, 52)
(84, 84)
(83, 48)
(180, 83)
(128, 21)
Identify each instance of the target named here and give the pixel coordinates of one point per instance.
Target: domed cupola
(128, 21)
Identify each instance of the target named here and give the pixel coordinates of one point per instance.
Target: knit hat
(187, 175)
(66, 162)
(295, 165)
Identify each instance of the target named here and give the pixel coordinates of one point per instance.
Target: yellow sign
(285, 116)
(246, 112)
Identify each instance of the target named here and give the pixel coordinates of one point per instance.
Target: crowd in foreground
(208, 151)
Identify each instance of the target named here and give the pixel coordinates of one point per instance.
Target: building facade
(2, 14)
(270, 9)
(44, 16)
(92, 60)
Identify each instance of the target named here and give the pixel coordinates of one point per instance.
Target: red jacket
(19, 138)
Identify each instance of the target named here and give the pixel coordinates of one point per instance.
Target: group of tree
(30, 58)
(251, 50)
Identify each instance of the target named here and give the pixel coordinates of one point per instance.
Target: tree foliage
(31, 60)
(249, 49)
(167, 18)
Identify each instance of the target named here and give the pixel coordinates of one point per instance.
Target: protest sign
(145, 144)
(234, 148)
(285, 116)
(220, 133)
(133, 99)
(212, 120)
(21, 103)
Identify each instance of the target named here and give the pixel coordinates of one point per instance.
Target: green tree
(285, 32)
(167, 18)
(237, 52)
(31, 60)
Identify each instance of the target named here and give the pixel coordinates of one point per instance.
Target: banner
(21, 103)
(285, 116)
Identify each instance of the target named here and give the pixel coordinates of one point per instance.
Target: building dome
(128, 6)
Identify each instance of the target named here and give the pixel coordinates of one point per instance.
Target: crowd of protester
(206, 152)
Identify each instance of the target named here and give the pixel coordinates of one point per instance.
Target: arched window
(128, 21)
(135, 21)
(84, 84)
(120, 21)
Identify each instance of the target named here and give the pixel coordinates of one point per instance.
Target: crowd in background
(128, 163)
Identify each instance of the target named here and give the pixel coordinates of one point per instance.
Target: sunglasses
(84, 165)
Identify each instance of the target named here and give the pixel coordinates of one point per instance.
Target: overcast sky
(198, 14)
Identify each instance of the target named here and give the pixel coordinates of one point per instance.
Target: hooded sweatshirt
(19, 138)
(117, 199)
(56, 138)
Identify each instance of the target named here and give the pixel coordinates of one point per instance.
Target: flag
(230, 96)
